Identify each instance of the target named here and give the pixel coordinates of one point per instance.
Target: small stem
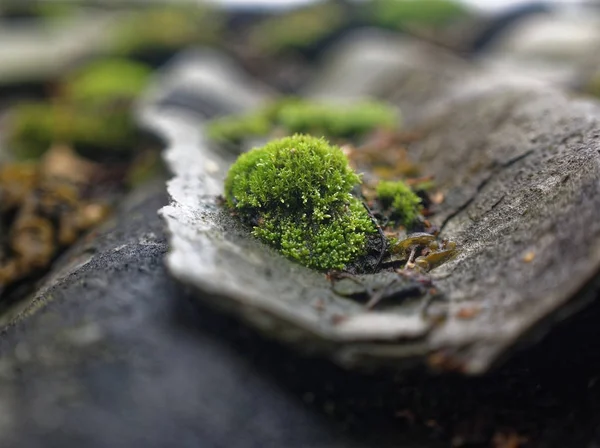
(410, 258)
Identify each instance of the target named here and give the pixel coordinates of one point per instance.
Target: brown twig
(379, 295)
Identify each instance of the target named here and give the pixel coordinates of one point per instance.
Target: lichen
(293, 116)
(296, 192)
(403, 204)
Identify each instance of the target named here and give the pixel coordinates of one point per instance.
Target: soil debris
(44, 209)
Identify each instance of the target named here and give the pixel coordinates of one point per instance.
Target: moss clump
(402, 14)
(92, 112)
(297, 193)
(404, 205)
(297, 116)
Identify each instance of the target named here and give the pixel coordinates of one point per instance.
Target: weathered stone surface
(213, 252)
(520, 168)
(518, 165)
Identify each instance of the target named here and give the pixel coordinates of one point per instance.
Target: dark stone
(111, 352)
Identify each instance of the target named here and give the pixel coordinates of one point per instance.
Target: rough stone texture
(518, 165)
(520, 168)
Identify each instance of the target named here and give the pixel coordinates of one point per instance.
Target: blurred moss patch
(404, 14)
(296, 30)
(106, 81)
(399, 199)
(91, 112)
(292, 115)
(166, 29)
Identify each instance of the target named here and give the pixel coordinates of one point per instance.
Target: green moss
(297, 192)
(296, 30)
(92, 112)
(402, 202)
(167, 28)
(400, 14)
(337, 120)
(29, 129)
(297, 116)
(34, 127)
